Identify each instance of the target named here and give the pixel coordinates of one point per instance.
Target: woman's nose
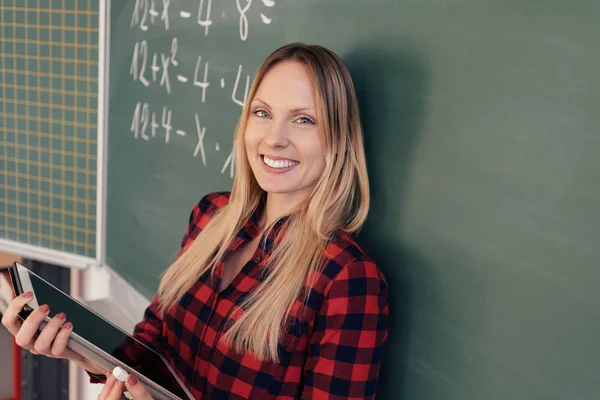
(277, 136)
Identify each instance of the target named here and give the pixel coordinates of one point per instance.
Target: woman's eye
(305, 120)
(261, 113)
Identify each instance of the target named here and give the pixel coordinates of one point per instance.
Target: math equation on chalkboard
(162, 67)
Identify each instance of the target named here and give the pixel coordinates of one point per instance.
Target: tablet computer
(98, 339)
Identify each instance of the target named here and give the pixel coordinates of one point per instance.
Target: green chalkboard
(481, 127)
(48, 126)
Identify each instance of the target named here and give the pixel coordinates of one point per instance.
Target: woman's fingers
(136, 389)
(53, 338)
(113, 389)
(11, 319)
(26, 334)
(59, 346)
(117, 391)
(43, 344)
(108, 386)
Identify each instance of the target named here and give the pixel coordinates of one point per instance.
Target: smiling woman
(270, 295)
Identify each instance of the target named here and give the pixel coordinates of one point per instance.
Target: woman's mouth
(278, 165)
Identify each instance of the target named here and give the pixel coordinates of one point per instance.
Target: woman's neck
(279, 205)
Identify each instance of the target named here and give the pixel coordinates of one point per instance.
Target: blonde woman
(270, 296)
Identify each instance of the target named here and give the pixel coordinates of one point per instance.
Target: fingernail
(68, 325)
(132, 380)
(61, 317)
(45, 309)
(28, 295)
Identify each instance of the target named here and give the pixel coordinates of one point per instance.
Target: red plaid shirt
(331, 350)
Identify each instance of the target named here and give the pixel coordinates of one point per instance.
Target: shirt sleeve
(149, 330)
(345, 348)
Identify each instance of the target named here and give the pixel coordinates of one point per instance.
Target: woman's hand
(51, 341)
(113, 389)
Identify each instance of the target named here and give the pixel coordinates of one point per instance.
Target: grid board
(48, 123)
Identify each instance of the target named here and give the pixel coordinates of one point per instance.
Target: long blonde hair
(340, 200)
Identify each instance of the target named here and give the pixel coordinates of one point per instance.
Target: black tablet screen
(98, 331)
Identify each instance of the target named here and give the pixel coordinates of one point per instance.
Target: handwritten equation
(149, 124)
(146, 14)
(162, 68)
(158, 71)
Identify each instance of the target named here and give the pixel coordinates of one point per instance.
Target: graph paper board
(49, 86)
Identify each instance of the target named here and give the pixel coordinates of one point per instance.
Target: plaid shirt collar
(251, 229)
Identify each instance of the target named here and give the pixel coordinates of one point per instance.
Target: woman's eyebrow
(295, 110)
(302, 109)
(260, 101)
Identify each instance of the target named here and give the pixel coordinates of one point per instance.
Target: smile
(281, 164)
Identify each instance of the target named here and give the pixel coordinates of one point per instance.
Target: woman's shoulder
(347, 272)
(345, 259)
(209, 204)
(202, 213)
(213, 201)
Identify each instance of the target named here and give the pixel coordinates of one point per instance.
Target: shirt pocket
(294, 330)
(240, 374)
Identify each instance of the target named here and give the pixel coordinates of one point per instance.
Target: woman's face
(283, 138)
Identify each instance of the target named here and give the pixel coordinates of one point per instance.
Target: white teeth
(278, 163)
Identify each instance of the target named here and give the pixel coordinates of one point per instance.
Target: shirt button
(257, 259)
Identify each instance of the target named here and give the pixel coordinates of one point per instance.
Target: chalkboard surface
(481, 126)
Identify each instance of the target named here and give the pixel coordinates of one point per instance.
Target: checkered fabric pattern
(331, 349)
